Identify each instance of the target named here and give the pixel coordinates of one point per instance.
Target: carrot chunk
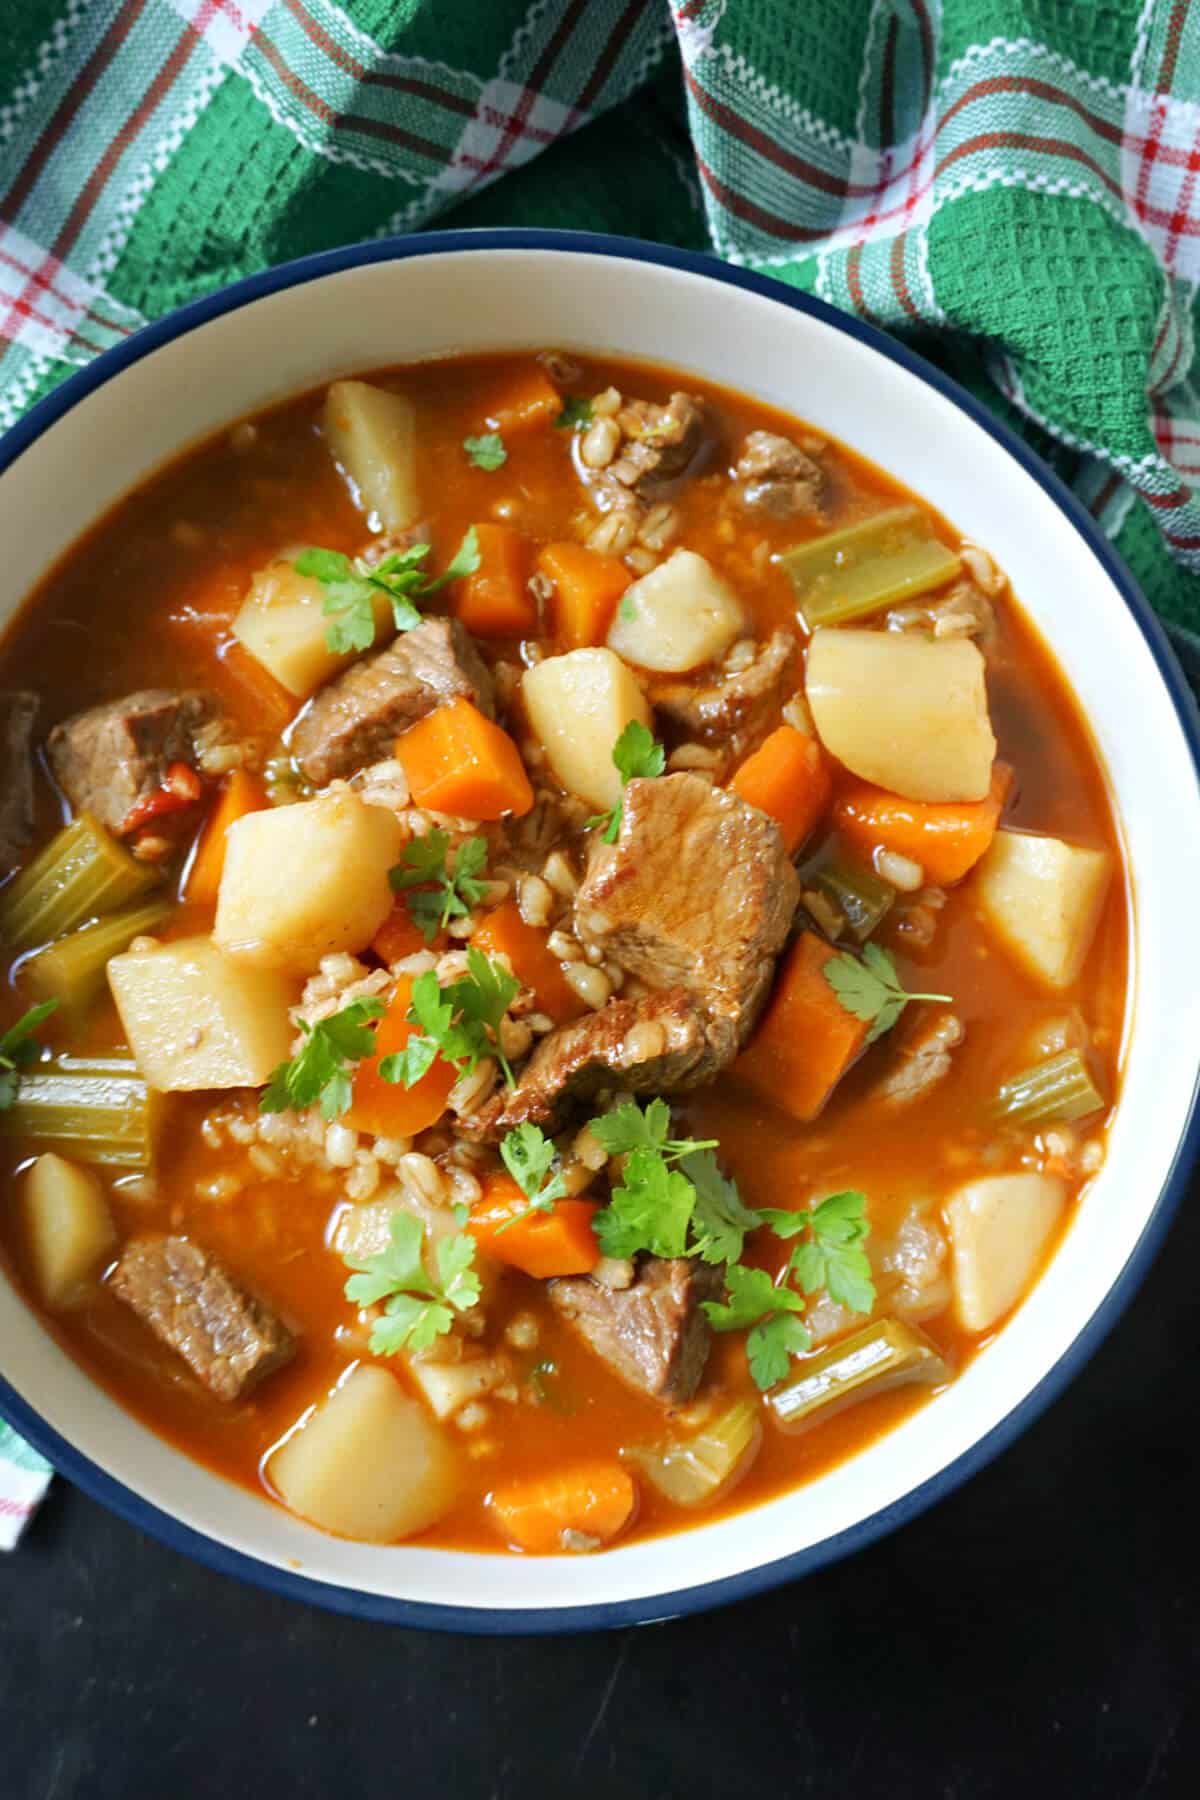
(389, 1109)
(806, 1040)
(242, 793)
(543, 1244)
(595, 1498)
(587, 586)
(400, 936)
(494, 601)
(788, 778)
(503, 932)
(522, 402)
(947, 839)
(459, 762)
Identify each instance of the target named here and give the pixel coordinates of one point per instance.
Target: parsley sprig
(576, 412)
(486, 452)
(319, 1071)
(441, 884)
(353, 584)
(653, 1206)
(417, 1307)
(19, 1047)
(528, 1155)
(769, 1313)
(636, 755)
(460, 1023)
(870, 989)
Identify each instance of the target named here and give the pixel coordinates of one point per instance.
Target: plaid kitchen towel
(1013, 185)
(24, 1476)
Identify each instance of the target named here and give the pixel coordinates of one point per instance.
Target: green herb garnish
(19, 1047)
(528, 1155)
(443, 884)
(636, 756)
(653, 1207)
(417, 1307)
(352, 585)
(870, 989)
(486, 452)
(831, 1256)
(770, 1313)
(318, 1071)
(460, 1023)
(575, 412)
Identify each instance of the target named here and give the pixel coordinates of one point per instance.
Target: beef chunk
(923, 1059)
(742, 706)
(228, 1339)
(660, 448)
(697, 893)
(107, 759)
(18, 710)
(652, 1045)
(776, 477)
(354, 720)
(654, 1334)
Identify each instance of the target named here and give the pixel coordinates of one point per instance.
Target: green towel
(1012, 185)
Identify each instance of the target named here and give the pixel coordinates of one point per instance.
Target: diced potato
(369, 1463)
(1043, 899)
(677, 617)
(448, 1386)
(578, 705)
(67, 1227)
(908, 713)
(303, 881)
(194, 1018)
(373, 435)
(282, 625)
(999, 1228)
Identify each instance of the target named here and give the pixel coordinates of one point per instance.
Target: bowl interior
(467, 295)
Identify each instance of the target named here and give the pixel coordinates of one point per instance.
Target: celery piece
(863, 900)
(95, 1109)
(884, 1354)
(81, 873)
(850, 573)
(72, 970)
(691, 1470)
(1060, 1088)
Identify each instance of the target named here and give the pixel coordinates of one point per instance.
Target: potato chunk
(999, 1228)
(197, 1019)
(1043, 898)
(578, 705)
(369, 1463)
(283, 627)
(67, 1227)
(302, 881)
(678, 617)
(908, 713)
(373, 433)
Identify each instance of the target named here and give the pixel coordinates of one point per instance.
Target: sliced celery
(96, 1109)
(850, 573)
(1060, 1088)
(882, 1355)
(82, 872)
(72, 970)
(863, 900)
(690, 1471)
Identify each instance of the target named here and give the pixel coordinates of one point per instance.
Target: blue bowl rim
(704, 1595)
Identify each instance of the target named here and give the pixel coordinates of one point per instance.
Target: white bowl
(117, 420)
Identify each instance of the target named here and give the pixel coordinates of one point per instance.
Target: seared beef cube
(739, 708)
(356, 719)
(228, 1339)
(656, 1044)
(663, 444)
(777, 477)
(654, 1335)
(697, 893)
(107, 759)
(17, 713)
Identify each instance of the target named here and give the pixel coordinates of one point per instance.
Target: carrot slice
(543, 1244)
(242, 793)
(595, 1498)
(503, 932)
(495, 601)
(459, 762)
(400, 936)
(522, 402)
(587, 586)
(806, 1040)
(389, 1109)
(947, 839)
(787, 777)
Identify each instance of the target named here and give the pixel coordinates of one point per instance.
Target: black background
(1037, 1628)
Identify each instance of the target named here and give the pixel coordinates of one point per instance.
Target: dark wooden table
(1037, 1632)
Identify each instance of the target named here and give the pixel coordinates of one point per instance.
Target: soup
(567, 953)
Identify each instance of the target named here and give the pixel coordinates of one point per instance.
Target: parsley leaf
(650, 1210)
(486, 452)
(575, 412)
(776, 1334)
(428, 864)
(870, 989)
(720, 1217)
(318, 1071)
(627, 1128)
(352, 587)
(461, 1023)
(771, 1346)
(18, 1048)
(831, 1256)
(417, 1307)
(635, 754)
(528, 1155)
